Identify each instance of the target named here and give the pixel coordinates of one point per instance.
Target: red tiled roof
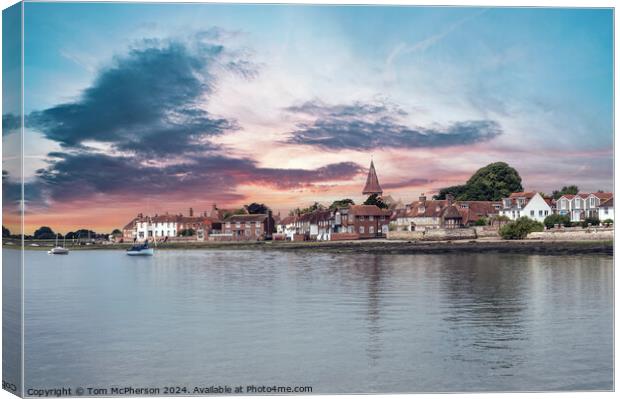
(609, 202)
(368, 210)
(129, 226)
(603, 196)
(471, 210)
(259, 217)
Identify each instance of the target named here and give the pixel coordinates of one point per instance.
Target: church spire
(372, 182)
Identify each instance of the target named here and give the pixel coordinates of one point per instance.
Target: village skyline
(194, 104)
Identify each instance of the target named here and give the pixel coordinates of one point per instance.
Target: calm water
(339, 323)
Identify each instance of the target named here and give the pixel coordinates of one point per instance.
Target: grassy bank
(376, 247)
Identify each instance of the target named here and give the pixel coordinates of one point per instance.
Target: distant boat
(140, 250)
(59, 250)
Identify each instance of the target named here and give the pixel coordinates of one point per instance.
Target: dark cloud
(148, 106)
(367, 126)
(85, 174)
(148, 102)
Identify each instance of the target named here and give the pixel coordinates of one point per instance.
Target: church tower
(372, 182)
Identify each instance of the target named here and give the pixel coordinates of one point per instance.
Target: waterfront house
(368, 221)
(606, 209)
(426, 214)
(160, 227)
(586, 205)
(530, 204)
(248, 227)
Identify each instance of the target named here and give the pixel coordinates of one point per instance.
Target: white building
(530, 204)
(154, 227)
(584, 205)
(606, 209)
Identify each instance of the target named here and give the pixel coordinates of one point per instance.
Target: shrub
(594, 221)
(520, 228)
(481, 222)
(608, 222)
(552, 220)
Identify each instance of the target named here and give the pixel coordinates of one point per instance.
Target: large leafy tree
(343, 203)
(5, 232)
(490, 183)
(374, 199)
(572, 189)
(44, 233)
(256, 208)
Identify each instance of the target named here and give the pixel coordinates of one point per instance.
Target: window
(540, 213)
(371, 229)
(227, 224)
(606, 211)
(361, 229)
(464, 206)
(592, 202)
(576, 203)
(371, 218)
(421, 209)
(563, 204)
(238, 225)
(546, 213)
(507, 203)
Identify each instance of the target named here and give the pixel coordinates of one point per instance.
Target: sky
(158, 107)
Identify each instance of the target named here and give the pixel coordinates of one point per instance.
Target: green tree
(117, 232)
(551, 220)
(481, 222)
(374, 199)
(572, 190)
(490, 183)
(520, 228)
(187, 233)
(44, 233)
(256, 208)
(608, 222)
(5, 232)
(343, 203)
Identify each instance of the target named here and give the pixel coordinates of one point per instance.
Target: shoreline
(540, 247)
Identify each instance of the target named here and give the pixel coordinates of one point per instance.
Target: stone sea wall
(579, 234)
(434, 235)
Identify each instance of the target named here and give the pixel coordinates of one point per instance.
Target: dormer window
(507, 202)
(464, 206)
(421, 209)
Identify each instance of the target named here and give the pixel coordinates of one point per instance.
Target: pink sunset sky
(287, 105)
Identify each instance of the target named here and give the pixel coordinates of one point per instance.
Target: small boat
(58, 250)
(140, 250)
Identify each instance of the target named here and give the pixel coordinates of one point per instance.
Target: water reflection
(341, 323)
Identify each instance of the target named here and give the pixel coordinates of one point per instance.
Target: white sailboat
(59, 250)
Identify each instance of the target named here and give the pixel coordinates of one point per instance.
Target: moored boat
(140, 250)
(59, 249)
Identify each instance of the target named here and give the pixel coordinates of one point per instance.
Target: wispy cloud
(410, 48)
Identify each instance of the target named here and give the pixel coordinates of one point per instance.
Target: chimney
(450, 199)
(422, 197)
(191, 212)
